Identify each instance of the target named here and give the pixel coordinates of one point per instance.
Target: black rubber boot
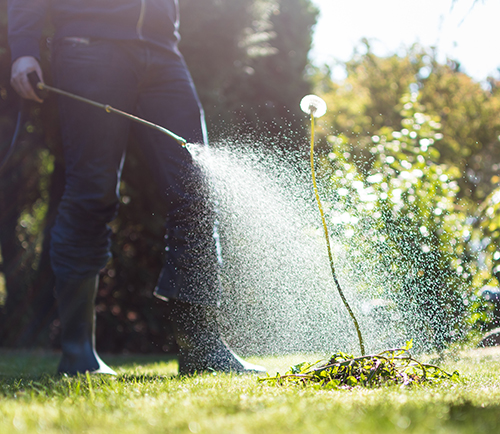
(76, 305)
(202, 348)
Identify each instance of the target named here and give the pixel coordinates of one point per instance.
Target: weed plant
(390, 367)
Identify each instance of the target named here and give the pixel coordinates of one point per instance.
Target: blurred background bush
(418, 138)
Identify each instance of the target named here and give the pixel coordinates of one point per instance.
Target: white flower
(313, 105)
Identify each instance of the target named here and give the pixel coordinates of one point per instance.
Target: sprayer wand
(38, 85)
(316, 107)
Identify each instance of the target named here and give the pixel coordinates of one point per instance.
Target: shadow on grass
(133, 360)
(35, 371)
(477, 416)
(49, 386)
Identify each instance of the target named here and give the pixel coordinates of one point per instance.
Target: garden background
(419, 134)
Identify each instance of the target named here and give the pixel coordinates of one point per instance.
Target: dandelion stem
(327, 238)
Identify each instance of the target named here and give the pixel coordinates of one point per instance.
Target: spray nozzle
(313, 105)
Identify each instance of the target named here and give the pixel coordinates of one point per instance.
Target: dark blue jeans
(155, 85)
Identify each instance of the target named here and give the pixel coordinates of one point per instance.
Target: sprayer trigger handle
(34, 79)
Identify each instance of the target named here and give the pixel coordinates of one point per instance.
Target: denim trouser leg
(190, 272)
(156, 85)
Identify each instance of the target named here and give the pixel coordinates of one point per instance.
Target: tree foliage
(404, 210)
(409, 142)
(448, 137)
(370, 97)
(29, 192)
(255, 77)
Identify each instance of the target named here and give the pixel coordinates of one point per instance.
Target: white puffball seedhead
(313, 105)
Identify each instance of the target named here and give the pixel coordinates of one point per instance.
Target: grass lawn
(147, 397)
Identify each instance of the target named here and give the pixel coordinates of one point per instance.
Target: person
(124, 53)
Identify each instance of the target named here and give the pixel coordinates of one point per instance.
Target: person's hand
(19, 77)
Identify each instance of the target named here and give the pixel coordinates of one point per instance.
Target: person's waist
(117, 19)
(85, 33)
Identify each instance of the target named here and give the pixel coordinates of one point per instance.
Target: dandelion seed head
(313, 105)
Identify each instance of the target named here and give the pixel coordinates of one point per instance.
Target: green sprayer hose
(327, 238)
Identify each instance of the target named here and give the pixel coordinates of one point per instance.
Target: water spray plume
(316, 107)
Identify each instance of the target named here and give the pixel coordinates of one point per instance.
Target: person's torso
(151, 20)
